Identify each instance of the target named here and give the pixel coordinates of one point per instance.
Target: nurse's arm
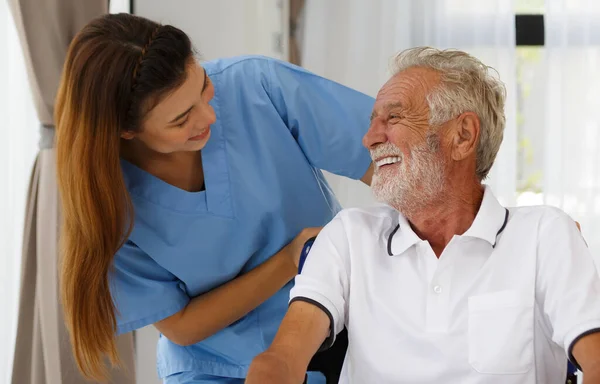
(207, 314)
(303, 330)
(368, 176)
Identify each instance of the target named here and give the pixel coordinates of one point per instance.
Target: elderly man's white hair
(466, 85)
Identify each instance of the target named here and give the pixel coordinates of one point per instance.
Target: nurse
(188, 192)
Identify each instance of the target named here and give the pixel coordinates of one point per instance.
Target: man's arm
(568, 290)
(316, 313)
(587, 353)
(300, 335)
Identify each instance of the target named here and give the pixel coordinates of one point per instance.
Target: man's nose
(375, 135)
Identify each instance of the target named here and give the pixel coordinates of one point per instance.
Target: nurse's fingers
(309, 232)
(295, 246)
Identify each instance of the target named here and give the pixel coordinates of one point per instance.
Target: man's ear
(127, 135)
(465, 136)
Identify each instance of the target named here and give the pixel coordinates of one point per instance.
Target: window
(530, 95)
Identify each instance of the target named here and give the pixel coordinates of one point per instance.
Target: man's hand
(268, 367)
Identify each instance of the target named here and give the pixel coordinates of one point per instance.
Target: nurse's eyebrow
(205, 81)
(181, 115)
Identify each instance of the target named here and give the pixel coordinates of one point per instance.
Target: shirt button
(437, 289)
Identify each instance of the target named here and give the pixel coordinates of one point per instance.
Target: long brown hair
(117, 68)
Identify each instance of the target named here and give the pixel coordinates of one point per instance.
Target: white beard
(409, 188)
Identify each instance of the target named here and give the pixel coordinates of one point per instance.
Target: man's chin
(408, 203)
(386, 194)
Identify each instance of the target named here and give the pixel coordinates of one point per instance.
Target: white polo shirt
(503, 304)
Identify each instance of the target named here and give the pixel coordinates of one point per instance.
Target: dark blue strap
(307, 246)
(571, 374)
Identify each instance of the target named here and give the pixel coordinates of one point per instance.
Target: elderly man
(442, 284)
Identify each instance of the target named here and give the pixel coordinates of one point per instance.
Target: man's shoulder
(539, 213)
(543, 222)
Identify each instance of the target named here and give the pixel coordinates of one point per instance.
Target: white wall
(18, 149)
(218, 28)
(221, 28)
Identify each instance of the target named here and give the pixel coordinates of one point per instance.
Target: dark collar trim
(501, 228)
(391, 236)
(389, 245)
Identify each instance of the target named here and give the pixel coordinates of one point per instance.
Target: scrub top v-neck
(216, 200)
(277, 127)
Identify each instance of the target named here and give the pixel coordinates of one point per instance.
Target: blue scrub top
(277, 127)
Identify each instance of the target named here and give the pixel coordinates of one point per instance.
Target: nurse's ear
(127, 135)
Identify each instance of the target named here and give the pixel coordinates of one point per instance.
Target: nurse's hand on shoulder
(240, 295)
(294, 248)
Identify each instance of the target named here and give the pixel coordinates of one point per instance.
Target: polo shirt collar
(490, 221)
(402, 237)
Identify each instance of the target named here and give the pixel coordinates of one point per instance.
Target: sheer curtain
(352, 41)
(571, 167)
(18, 148)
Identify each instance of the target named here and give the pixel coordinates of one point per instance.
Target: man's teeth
(387, 160)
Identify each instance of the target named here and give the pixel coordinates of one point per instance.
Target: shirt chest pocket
(500, 332)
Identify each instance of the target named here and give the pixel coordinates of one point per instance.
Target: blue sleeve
(327, 119)
(143, 291)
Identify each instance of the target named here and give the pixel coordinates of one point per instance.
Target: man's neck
(453, 214)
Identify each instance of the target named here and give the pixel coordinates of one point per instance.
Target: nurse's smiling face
(181, 120)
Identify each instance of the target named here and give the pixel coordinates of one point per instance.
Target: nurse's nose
(210, 117)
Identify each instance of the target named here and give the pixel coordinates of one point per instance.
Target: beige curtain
(42, 351)
(296, 7)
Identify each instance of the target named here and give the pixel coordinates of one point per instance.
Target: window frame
(530, 30)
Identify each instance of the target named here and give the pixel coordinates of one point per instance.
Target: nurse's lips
(201, 136)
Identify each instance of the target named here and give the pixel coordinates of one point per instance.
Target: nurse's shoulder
(229, 73)
(246, 63)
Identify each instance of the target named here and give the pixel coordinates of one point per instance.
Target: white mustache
(385, 150)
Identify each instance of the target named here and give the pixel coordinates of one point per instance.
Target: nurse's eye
(182, 123)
